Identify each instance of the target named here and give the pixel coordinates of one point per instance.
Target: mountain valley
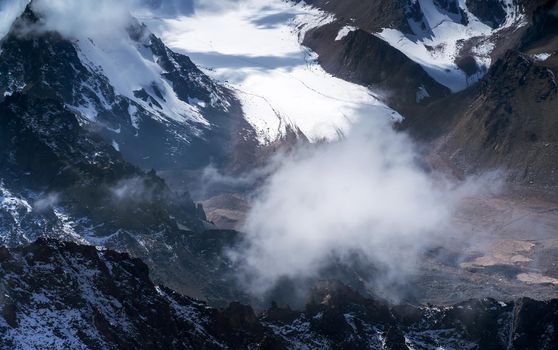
(365, 174)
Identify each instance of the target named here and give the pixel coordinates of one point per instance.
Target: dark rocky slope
(371, 16)
(78, 177)
(46, 64)
(63, 295)
(507, 121)
(60, 179)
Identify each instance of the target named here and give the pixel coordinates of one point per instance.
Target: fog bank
(362, 196)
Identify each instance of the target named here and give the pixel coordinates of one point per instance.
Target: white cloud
(9, 11)
(362, 195)
(84, 18)
(170, 7)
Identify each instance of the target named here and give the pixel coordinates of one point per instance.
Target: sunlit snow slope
(439, 38)
(254, 47)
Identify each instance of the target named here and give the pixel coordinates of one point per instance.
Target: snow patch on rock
(542, 56)
(343, 32)
(437, 47)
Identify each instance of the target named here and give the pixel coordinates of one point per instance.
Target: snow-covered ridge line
(438, 47)
(131, 67)
(120, 79)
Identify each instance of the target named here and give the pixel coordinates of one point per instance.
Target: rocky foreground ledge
(58, 295)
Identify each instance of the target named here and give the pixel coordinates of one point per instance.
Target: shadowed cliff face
(46, 151)
(65, 295)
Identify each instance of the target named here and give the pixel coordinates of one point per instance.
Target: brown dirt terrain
(504, 247)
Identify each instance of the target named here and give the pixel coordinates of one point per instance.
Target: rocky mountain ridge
(161, 113)
(65, 295)
(62, 180)
(73, 146)
(75, 143)
(502, 120)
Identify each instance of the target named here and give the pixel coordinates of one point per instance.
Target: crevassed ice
(254, 47)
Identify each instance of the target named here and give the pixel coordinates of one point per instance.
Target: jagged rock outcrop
(64, 295)
(491, 12)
